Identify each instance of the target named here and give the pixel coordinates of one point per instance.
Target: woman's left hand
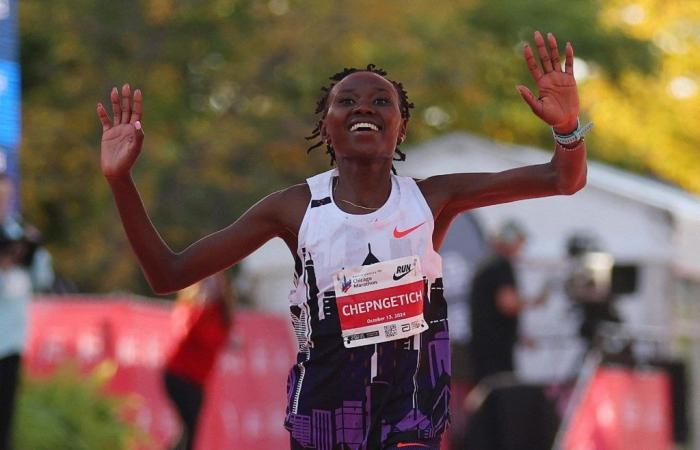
(557, 103)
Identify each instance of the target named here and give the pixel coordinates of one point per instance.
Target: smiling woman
(323, 105)
(364, 378)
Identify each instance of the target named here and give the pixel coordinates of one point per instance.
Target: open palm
(122, 137)
(557, 103)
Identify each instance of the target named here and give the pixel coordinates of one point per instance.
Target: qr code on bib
(390, 330)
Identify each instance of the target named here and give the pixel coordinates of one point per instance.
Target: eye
(346, 101)
(382, 101)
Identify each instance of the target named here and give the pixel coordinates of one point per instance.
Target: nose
(364, 107)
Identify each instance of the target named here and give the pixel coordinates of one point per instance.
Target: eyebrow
(349, 90)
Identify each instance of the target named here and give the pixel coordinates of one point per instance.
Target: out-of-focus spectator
(496, 303)
(205, 312)
(15, 293)
(34, 257)
(24, 266)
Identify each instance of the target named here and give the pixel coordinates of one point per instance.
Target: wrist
(567, 127)
(574, 137)
(570, 147)
(117, 180)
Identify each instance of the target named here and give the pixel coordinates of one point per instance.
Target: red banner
(246, 395)
(623, 409)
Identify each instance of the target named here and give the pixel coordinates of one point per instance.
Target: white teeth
(371, 126)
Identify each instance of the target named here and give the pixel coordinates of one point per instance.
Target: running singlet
(367, 308)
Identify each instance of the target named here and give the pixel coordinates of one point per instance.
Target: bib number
(380, 302)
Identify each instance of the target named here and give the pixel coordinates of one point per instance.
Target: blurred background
(230, 87)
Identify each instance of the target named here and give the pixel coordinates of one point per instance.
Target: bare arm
(565, 174)
(558, 106)
(165, 270)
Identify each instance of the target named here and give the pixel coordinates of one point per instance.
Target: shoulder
(294, 199)
(496, 262)
(492, 264)
(288, 206)
(298, 194)
(291, 200)
(436, 191)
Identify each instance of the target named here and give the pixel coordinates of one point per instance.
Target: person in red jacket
(208, 310)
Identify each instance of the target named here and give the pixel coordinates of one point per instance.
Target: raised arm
(165, 270)
(558, 106)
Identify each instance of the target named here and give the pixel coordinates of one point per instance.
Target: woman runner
(373, 366)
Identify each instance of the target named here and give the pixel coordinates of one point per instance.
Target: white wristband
(574, 136)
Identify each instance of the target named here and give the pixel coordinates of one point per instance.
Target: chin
(369, 152)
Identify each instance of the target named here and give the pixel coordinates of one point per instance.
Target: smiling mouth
(364, 126)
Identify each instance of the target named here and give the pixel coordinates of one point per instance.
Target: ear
(402, 130)
(324, 132)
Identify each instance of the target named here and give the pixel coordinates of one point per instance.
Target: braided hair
(322, 106)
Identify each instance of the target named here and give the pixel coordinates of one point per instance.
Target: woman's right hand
(122, 137)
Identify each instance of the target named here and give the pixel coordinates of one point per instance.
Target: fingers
(126, 103)
(104, 118)
(124, 108)
(139, 134)
(569, 64)
(532, 65)
(530, 99)
(544, 54)
(116, 107)
(554, 52)
(137, 107)
(548, 52)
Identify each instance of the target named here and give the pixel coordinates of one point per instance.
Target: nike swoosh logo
(398, 277)
(399, 234)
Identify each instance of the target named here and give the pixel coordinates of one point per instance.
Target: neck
(363, 184)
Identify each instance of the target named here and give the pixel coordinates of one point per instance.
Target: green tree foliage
(230, 87)
(70, 411)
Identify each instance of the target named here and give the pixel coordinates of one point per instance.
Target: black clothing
(187, 398)
(494, 333)
(9, 380)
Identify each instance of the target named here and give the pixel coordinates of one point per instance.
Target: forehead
(363, 81)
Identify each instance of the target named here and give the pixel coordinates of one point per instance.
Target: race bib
(380, 302)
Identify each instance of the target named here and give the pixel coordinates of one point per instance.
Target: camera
(594, 282)
(594, 277)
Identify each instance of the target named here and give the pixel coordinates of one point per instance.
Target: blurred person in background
(395, 385)
(15, 294)
(496, 304)
(203, 317)
(34, 258)
(25, 266)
